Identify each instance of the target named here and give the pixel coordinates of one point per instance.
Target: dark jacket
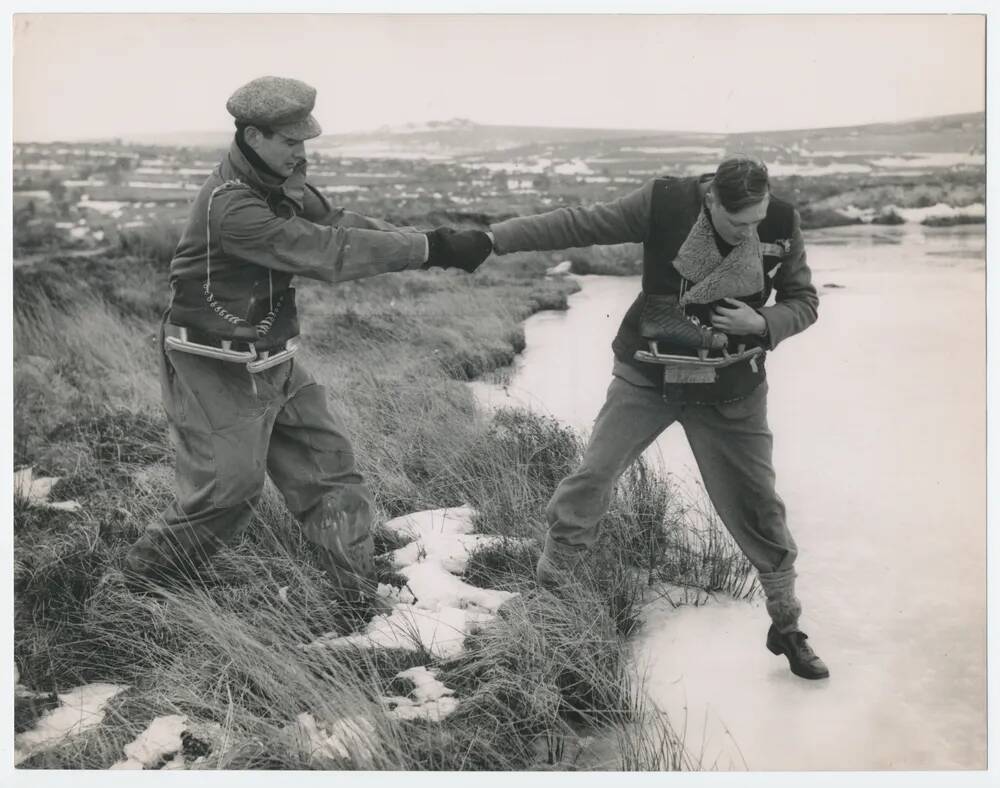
(659, 215)
(258, 232)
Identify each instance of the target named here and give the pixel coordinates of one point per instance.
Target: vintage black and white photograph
(498, 392)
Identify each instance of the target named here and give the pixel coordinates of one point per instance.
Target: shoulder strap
(229, 185)
(320, 196)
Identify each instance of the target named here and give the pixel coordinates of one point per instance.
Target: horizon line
(637, 131)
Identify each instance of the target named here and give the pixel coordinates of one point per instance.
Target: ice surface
(884, 487)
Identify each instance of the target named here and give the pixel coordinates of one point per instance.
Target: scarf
(713, 277)
(293, 187)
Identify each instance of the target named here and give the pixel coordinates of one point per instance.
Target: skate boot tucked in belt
(663, 321)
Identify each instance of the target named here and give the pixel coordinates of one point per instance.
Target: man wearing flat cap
(238, 403)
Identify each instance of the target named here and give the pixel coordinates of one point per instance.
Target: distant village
(70, 197)
(82, 196)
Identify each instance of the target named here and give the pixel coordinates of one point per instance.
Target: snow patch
(430, 699)
(79, 709)
(65, 506)
(36, 491)
(780, 169)
(693, 149)
(161, 738)
(939, 210)
(932, 160)
(565, 267)
(403, 595)
(574, 167)
(444, 608)
(108, 207)
(32, 489)
(916, 215)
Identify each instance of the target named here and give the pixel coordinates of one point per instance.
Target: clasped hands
(465, 249)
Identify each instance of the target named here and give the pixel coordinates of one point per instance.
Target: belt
(209, 340)
(199, 343)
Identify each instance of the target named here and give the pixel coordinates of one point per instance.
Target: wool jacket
(659, 215)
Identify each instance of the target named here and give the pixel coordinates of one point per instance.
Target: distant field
(466, 173)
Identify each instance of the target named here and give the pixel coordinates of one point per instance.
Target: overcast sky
(81, 76)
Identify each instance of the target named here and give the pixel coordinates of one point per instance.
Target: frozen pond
(879, 416)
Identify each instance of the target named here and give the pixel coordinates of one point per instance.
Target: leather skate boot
(663, 320)
(801, 658)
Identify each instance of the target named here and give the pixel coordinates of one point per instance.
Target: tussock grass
(156, 243)
(225, 648)
(77, 358)
(700, 554)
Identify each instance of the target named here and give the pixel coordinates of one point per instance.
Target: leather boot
(558, 565)
(801, 658)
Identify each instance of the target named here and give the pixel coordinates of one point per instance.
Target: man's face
(279, 153)
(736, 227)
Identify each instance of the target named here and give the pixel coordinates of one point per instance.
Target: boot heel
(773, 649)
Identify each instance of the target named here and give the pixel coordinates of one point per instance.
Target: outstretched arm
(620, 221)
(248, 230)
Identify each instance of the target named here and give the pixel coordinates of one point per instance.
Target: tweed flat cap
(279, 103)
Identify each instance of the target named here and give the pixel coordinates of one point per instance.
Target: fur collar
(739, 274)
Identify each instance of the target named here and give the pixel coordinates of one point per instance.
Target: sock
(782, 604)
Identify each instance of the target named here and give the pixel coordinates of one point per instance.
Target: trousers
(230, 428)
(732, 446)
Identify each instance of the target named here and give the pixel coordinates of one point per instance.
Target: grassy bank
(227, 652)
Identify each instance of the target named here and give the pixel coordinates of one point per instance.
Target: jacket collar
(236, 167)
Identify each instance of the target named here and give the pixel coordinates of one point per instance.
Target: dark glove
(465, 249)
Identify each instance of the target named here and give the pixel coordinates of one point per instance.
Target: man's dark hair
(740, 181)
(242, 126)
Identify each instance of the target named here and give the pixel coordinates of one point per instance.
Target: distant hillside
(460, 137)
(455, 137)
(964, 133)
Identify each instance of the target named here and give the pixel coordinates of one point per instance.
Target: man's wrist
(762, 331)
